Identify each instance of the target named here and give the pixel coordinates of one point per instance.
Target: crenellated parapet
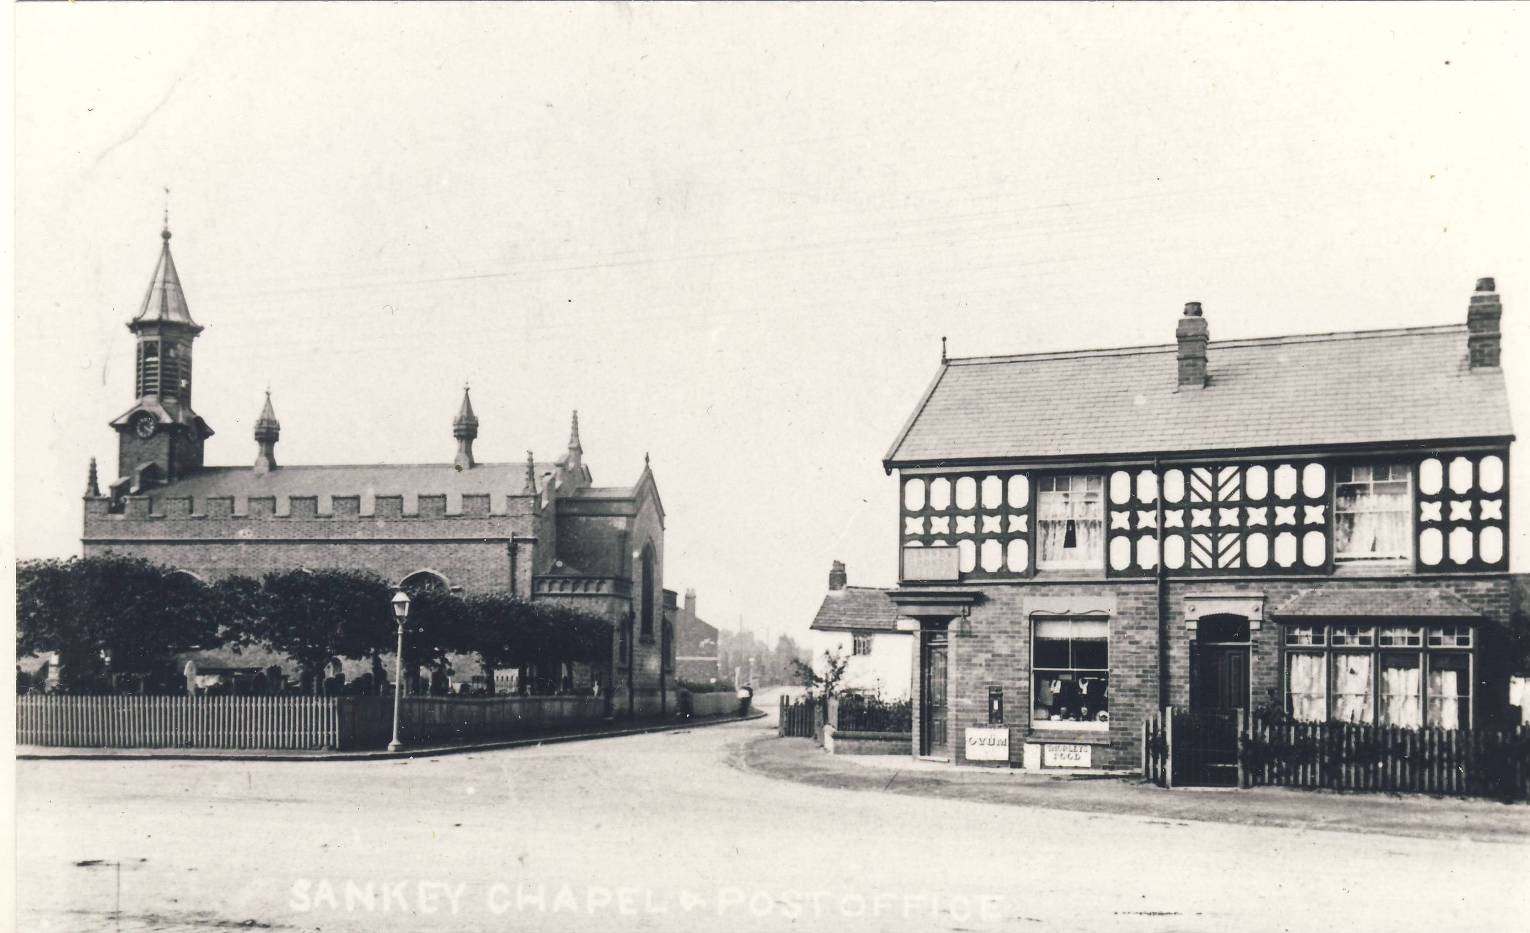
(341, 516)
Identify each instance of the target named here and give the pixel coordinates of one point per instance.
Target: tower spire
(531, 474)
(267, 432)
(573, 434)
(92, 485)
(465, 430)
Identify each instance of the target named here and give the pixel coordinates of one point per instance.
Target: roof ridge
(444, 465)
(1277, 340)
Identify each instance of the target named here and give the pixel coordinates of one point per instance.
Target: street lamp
(400, 613)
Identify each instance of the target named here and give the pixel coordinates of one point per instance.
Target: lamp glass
(401, 605)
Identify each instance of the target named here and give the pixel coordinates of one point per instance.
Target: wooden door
(933, 715)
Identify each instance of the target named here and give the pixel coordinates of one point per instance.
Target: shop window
(1389, 675)
(1070, 522)
(1071, 673)
(1371, 509)
(860, 643)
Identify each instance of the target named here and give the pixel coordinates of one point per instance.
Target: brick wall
(998, 653)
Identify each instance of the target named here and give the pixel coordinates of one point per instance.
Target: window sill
(1065, 725)
(1037, 736)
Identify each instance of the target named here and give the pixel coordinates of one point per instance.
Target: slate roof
(858, 608)
(1349, 602)
(165, 300)
(368, 481)
(1363, 387)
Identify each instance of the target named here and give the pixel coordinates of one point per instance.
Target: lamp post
(401, 614)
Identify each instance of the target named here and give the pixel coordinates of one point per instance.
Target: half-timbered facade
(1313, 523)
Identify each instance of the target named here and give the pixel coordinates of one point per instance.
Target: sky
(731, 237)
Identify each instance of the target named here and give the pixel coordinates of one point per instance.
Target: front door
(1206, 736)
(932, 676)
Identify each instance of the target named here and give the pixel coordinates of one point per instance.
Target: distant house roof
(1364, 387)
(367, 481)
(856, 608)
(1347, 602)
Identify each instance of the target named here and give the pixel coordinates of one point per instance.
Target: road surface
(664, 832)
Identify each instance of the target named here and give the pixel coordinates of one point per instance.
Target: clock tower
(160, 438)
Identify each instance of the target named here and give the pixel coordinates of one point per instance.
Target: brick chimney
(1192, 334)
(1483, 338)
(837, 576)
(690, 605)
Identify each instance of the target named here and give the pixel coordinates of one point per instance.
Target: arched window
(648, 593)
(424, 580)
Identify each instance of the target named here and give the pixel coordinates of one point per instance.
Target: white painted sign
(987, 744)
(1066, 756)
(931, 563)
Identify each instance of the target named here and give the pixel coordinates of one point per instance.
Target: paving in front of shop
(801, 760)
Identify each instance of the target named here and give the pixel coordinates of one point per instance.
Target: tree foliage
(142, 615)
(121, 612)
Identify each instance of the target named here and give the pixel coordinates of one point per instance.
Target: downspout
(1161, 594)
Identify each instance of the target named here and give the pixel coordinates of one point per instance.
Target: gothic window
(1070, 521)
(1461, 511)
(1371, 508)
(648, 591)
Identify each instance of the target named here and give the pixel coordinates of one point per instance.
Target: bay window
(1372, 507)
(1070, 522)
(1411, 676)
(1070, 673)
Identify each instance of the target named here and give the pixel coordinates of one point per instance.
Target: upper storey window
(1371, 509)
(1070, 522)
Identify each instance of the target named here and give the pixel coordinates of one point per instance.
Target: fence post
(1241, 746)
(1168, 745)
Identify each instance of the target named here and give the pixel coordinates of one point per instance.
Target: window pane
(1091, 653)
(1450, 691)
(1306, 687)
(1352, 689)
(1401, 691)
(1051, 652)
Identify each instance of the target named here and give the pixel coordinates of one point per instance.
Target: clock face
(144, 425)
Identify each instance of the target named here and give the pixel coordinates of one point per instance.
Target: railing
(1351, 756)
(854, 713)
(285, 722)
(1348, 756)
(183, 722)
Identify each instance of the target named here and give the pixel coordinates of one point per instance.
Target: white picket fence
(238, 722)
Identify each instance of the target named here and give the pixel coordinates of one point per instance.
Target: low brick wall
(714, 704)
(838, 742)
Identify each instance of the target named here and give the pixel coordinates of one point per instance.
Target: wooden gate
(798, 719)
(1205, 747)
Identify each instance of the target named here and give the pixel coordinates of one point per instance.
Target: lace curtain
(1054, 512)
(1401, 700)
(1370, 525)
(1309, 696)
(1444, 703)
(1352, 687)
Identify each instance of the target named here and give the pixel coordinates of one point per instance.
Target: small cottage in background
(860, 623)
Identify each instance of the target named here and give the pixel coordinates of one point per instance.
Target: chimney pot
(1486, 284)
(1193, 308)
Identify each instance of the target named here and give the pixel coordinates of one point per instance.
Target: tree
(824, 683)
(110, 613)
(316, 616)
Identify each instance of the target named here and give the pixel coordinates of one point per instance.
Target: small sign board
(985, 744)
(931, 564)
(1066, 756)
